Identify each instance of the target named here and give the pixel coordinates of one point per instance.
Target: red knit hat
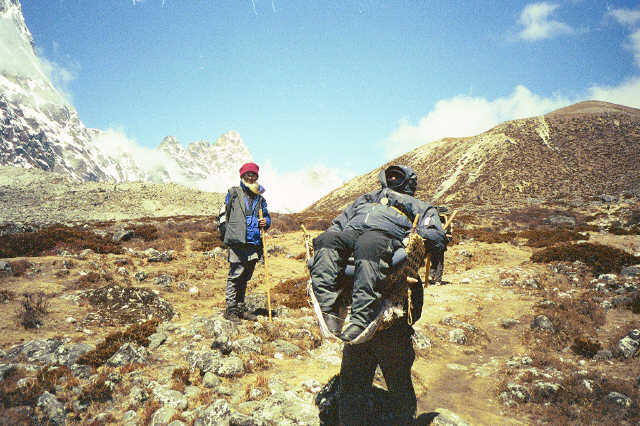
(249, 167)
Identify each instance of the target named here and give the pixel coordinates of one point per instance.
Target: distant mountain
(583, 150)
(40, 129)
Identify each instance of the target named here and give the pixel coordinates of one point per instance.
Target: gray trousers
(242, 262)
(372, 251)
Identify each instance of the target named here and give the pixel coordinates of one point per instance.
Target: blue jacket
(242, 226)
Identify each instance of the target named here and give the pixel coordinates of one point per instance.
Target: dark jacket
(392, 212)
(242, 216)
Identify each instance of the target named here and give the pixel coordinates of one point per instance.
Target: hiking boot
(333, 324)
(231, 314)
(351, 332)
(244, 313)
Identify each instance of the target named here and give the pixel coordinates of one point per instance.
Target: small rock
(508, 322)
(447, 418)
(52, 408)
(619, 399)
(457, 336)
(210, 380)
(543, 323)
(163, 416)
(631, 271)
(140, 276)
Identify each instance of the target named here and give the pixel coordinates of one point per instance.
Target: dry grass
(48, 240)
(32, 310)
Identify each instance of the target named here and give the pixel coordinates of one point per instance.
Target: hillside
(508, 340)
(33, 196)
(584, 150)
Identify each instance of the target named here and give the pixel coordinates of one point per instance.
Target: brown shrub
(19, 267)
(602, 259)
(33, 308)
(292, 293)
(6, 295)
(176, 244)
(144, 232)
(284, 222)
(181, 375)
(97, 391)
(148, 409)
(585, 347)
(136, 333)
(571, 319)
(486, 235)
(46, 379)
(546, 238)
(207, 242)
(261, 382)
(256, 362)
(48, 240)
(635, 303)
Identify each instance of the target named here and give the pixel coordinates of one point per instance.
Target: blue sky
(345, 85)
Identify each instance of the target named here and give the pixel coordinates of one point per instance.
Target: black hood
(406, 185)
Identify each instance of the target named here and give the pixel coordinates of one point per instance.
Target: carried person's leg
(373, 253)
(331, 250)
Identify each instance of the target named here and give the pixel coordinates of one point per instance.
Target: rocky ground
(134, 333)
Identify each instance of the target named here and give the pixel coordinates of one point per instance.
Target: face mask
(253, 186)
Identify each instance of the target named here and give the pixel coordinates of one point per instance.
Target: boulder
(541, 322)
(127, 354)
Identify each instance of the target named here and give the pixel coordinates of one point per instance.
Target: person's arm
(265, 214)
(340, 222)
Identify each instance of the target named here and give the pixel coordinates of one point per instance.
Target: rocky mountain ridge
(580, 151)
(40, 129)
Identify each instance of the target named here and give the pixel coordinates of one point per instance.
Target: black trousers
(392, 350)
(372, 252)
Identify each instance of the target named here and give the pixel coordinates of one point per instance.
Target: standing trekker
(371, 229)
(240, 225)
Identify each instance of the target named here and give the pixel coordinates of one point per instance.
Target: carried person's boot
(351, 332)
(333, 323)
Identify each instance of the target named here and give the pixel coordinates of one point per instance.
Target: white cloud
(626, 16)
(60, 76)
(466, 116)
(634, 45)
(296, 190)
(535, 18)
(627, 93)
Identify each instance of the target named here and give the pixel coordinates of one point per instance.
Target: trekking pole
(409, 307)
(306, 237)
(450, 220)
(266, 268)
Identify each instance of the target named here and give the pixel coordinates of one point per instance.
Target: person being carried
(370, 229)
(240, 224)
